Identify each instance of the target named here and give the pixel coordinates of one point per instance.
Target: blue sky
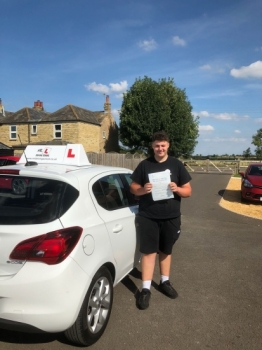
(76, 51)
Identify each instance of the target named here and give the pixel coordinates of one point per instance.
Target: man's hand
(173, 186)
(139, 190)
(183, 191)
(148, 187)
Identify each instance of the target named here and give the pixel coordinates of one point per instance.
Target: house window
(34, 130)
(104, 134)
(57, 131)
(13, 132)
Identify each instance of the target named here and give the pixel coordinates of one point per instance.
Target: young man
(158, 221)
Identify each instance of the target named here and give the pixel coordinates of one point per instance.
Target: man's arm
(183, 191)
(139, 190)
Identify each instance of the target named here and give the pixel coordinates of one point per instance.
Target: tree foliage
(257, 141)
(247, 153)
(150, 106)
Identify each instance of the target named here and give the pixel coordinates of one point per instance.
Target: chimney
(107, 105)
(2, 110)
(38, 105)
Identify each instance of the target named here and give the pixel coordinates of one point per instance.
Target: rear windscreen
(26, 201)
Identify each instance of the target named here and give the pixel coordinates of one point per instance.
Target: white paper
(160, 182)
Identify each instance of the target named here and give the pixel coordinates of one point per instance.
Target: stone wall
(76, 132)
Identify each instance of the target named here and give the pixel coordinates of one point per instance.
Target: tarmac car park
(66, 241)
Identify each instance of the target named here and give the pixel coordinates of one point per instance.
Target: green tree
(150, 106)
(247, 153)
(257, 141)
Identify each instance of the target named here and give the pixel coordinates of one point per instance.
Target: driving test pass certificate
(160, 182)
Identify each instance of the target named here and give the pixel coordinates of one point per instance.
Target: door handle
(117, 228)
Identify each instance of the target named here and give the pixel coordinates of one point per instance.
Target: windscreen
(26, 201)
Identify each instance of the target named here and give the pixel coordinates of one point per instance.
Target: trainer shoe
(143, 299)
(168, 290)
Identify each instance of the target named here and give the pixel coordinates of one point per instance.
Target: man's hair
(160, 136)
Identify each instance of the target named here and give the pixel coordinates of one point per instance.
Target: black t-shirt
(164, 209)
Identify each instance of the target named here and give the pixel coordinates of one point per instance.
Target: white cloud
(119, 87)
(213, 69)
(237, 131)
(258, 48)
(229, 116)
(104, 89)
(222, 140)
(205, 128)
(178, 41)
(205, 67)
(254, 70)
(221, 116)
(119, 95)
(258, 120)
(148, 45)
(203, 114)
(115, 112)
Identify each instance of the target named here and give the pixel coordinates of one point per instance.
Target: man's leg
(148, 266)
(164, 264)
(165, 285)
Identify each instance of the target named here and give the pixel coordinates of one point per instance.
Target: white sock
(164, 278)
(146, 284)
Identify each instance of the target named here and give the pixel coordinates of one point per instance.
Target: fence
(131, 161)
(127, 160)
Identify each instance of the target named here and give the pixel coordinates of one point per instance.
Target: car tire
(95, 311)
(19, 186)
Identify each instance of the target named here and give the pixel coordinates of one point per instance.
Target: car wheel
(19, 186)
(95, 311)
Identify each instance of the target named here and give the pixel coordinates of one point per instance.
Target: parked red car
(8, 160)
(18, 186)
(251, 186)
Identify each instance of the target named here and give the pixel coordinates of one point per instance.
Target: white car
(64, 242)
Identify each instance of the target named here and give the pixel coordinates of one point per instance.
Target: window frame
(32, 129)
(101, 194)
(57, 131)
(12, 132)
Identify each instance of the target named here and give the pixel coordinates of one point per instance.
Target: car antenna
(28, 163)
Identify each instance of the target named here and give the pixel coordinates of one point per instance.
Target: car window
(132, 199)
(10, 162)
(255, 170)
(110, 192)
(26, 201)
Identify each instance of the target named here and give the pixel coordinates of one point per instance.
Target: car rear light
(51, 248)
(9, 172)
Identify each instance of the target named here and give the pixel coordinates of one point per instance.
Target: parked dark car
(251, 185)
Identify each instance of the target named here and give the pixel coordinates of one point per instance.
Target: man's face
(160, 148)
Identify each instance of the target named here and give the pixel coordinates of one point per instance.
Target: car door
(112, 205)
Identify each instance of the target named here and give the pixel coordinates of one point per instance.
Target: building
(97, 131)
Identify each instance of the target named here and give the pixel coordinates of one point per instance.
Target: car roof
(65, 163)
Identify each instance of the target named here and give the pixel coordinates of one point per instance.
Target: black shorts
(157, 235)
